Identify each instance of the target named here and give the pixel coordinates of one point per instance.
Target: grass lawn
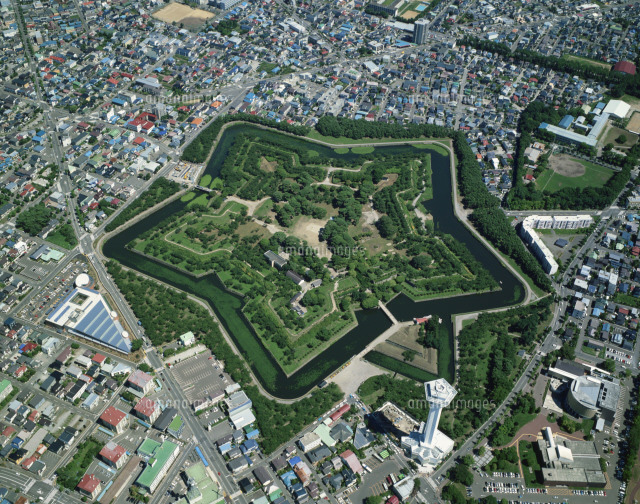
(200, 200)
(397, 366)
(627, 300)
(530, 465)
(372, 398)
(467, 322)
(434, 147)
(586, 61)
(536, 290)
(364, 149)
(347, 283)
(266, 67)
(631, 100)
(205, 180)
(594, 176)
(341, 150)
(614, 132)
(263, 209)
(522, 419)
(66, 240)
(589, 350)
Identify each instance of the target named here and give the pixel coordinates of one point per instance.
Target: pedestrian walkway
(386, 310)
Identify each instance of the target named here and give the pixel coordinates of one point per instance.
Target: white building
(537, 245)
(617, 108)
(429, 446)
(309, 441)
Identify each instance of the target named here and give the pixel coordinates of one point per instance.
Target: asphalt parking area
(199, 375)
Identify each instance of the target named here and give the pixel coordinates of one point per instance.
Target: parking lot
(374, 482)
(199, 375)
(46, 298)
(35, 270)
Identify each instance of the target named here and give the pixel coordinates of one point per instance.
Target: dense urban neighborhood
(285, 252)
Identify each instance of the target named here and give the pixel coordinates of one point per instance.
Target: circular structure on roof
(582, 397)
(83, 280)
(125, 334)
(625, 67)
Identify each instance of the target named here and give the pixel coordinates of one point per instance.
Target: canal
(371, 323)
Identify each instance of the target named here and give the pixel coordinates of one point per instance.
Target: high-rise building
(428, 445)
(420, 31)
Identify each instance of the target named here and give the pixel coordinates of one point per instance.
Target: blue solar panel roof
(96, 324)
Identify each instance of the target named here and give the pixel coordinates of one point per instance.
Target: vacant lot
(180, 13)
(567, 171)
(587, 61)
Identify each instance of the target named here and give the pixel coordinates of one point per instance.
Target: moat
(371, 323)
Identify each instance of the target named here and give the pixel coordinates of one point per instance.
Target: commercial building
(114, 419)
(158, 457)
(150, 84)
(89, 485)
(403, 489)
(591, 392)
(113, 454)
(208, 400)
(202, 488)
(309, 441)
(569, 463)
(147, 410)
(85, 313)
(420, 29)
(239, 407)
(176, 427)
(187, 339)
(140, 381)
(589, 396)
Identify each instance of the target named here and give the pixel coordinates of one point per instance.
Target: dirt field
(369, 215)
(566, 166)
(390, 180)
(634, 123)
(180, 13)
(307, 228)
(268, 166)
(410, 15)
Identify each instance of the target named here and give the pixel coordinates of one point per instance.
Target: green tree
(386, 227)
